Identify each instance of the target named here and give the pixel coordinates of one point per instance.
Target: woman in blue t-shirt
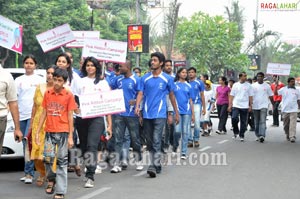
(183, 94)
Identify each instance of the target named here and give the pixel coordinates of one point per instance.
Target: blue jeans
(260, 117)
(29, 166)
(89, 132)
(126, 145)
(56, 145)
(243, 115)
(197, 127)
(168, 136)
(132, 124)
(182, 128)
(153, 129)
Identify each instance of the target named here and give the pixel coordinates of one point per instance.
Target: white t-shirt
(209, 100)
(289, 99)
(86, 85)
(26, 85)
(241, 93)
(261, 94)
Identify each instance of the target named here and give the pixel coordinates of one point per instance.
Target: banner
(56, 37)
(105, 50)
(278, 69)
(80, 36)
(100, 104)
(11, 35)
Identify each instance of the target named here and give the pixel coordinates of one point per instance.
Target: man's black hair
(61, 73)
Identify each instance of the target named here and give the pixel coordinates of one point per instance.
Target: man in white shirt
(290, 105)
(240, 103)
(262, 92)
(8, 102)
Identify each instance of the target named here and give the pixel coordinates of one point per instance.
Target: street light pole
(137, 7)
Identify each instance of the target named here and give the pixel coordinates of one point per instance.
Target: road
(251, 169)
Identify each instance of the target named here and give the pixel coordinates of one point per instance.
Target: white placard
(11, 35)
(104, 103)
(105, 50)
(55, 37)
(278, 69)
(80, 36)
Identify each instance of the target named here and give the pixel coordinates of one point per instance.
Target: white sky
(284, 22)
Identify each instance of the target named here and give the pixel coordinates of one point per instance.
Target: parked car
(11, 149)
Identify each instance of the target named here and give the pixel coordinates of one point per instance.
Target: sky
(284, 22)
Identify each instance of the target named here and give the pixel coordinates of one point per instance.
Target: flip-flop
(40, 181)
(50, 187)
(59, 196)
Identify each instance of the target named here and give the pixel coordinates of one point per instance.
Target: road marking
(95, 193)
(140, 173)
(205, 148)
(223, 141)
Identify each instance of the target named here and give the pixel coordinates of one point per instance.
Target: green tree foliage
(211, 43)
(41, 15)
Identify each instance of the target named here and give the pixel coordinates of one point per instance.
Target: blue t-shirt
(197, 86)
(130, 86)
(154, 91)
(183, 94)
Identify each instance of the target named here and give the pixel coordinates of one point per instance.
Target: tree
(235, 14)
(211, 43)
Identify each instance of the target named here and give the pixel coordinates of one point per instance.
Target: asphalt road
(220, 168)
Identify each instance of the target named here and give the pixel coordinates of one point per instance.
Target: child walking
(58, 106)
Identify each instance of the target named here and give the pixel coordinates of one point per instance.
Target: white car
(11, 149)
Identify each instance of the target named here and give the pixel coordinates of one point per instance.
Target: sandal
(50, 188)
(40, 181)
(77, 170)
(59, 196)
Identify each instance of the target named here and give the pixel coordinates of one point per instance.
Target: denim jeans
(197, 123)
(89, 132)
(223, 116)
(56, 145)
(243, 115)
(29, 165)
(153, 129)
(182, 129)
(168, 134)
(132, 124)
(126, 145)
(276, 113)
(260, 117)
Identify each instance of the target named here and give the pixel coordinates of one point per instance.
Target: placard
(105, 50)
(100, 104)
(278, 69)
(11, 35)
(55, 37)
(80, 36)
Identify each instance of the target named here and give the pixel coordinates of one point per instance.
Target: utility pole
(137, 4)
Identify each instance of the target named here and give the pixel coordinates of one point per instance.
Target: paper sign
(278, 69)
(56, 37)
(105, 50)
(105, 103)
(80, 36)
(11, 35)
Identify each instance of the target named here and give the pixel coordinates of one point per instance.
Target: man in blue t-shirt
(199, 107)
(130, 84)
(154, 88)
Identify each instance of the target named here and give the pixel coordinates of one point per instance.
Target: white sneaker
(89, 183)
(139, 166)
(23, 179)
(116, 169)
(183, 157)
(28, 179)
(98, 170)
(242, 139)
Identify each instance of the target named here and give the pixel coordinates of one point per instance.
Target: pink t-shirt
(223, 93)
